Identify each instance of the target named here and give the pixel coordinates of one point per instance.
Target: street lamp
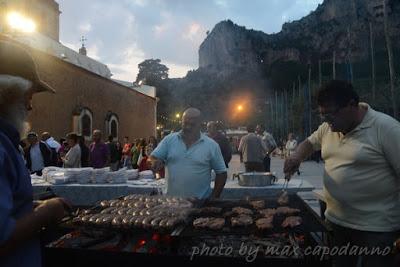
(18, 22)
(239, 107)
(178, 115)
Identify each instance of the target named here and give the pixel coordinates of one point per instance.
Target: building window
(114, 128)
(112, 125)
(86, 123)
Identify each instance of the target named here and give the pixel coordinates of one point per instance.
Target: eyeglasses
(329, 117)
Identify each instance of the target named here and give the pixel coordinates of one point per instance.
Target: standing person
(142, 161)
(114, 153)
(73, 158)
(252, 150)
(119, 153)
(53, 145)
(135, 151)
(189, 157)
(269, 143)
(38, 155)
(50, 141)
(222, 141)
(152, 144)
(85, 152)
(362, 172)
(20, 221)
(126, 153)
(99, 153)
(291, 145)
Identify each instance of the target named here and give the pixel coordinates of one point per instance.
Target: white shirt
(53, 144)
(36, 158)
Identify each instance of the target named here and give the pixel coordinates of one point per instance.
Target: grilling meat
(242, 211)
(267, 212)
(265, 223)
(286, 210)
(283, 199)
(292, 221)
(210, 223)
(258, 204)
(241, 220)
(211, 210)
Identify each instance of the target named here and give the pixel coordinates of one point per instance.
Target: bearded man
(20, 221)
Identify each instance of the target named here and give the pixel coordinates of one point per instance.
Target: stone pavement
(309, 170)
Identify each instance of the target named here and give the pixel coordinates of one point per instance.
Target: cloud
(85, 27)
(124, 33)
(192, 31)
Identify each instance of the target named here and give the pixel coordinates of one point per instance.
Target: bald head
(212, 128)
(191, 121)
(192, 113)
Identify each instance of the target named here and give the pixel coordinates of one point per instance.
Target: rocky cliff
(340, 26)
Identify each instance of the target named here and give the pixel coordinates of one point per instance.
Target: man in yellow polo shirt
(360, 147)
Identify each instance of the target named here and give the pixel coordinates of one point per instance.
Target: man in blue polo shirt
(20, 221)
(189, 156)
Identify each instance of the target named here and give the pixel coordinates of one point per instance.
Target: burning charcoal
(265, 223)
(242, 211)
(283, 199)
(211, 210)
(286, 210)
(241, 220)
(292, 221)
(258, 204)
(267, 212)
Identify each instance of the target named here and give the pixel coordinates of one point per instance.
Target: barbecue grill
(125, 247)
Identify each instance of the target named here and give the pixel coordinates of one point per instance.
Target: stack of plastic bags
(146, 175)
(132, 174)
(118, 177)
(100, 176)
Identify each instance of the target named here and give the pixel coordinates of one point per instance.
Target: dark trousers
(267, 163)
(254, 166)
(364, 239)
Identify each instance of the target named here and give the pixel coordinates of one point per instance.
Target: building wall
(77, 88)
(45, 13)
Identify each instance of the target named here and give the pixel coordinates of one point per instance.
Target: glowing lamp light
(240, 108)
(178, 115)
(20, 23)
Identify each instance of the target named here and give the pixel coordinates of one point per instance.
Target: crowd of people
(73, 152)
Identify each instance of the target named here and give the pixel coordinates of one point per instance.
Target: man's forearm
(304, 150)
(219, 184)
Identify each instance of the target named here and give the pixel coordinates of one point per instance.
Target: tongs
(285, 183)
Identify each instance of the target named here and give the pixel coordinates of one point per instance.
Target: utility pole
(390, 57)
(334, 65)
(371, 41)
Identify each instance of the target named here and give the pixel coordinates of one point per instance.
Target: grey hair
(12, 88)
(12, 102)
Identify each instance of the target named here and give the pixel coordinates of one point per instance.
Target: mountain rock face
(340, 26)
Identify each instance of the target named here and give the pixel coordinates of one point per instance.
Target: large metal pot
(255, 178)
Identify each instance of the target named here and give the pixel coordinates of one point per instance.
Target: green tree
(152, 72)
